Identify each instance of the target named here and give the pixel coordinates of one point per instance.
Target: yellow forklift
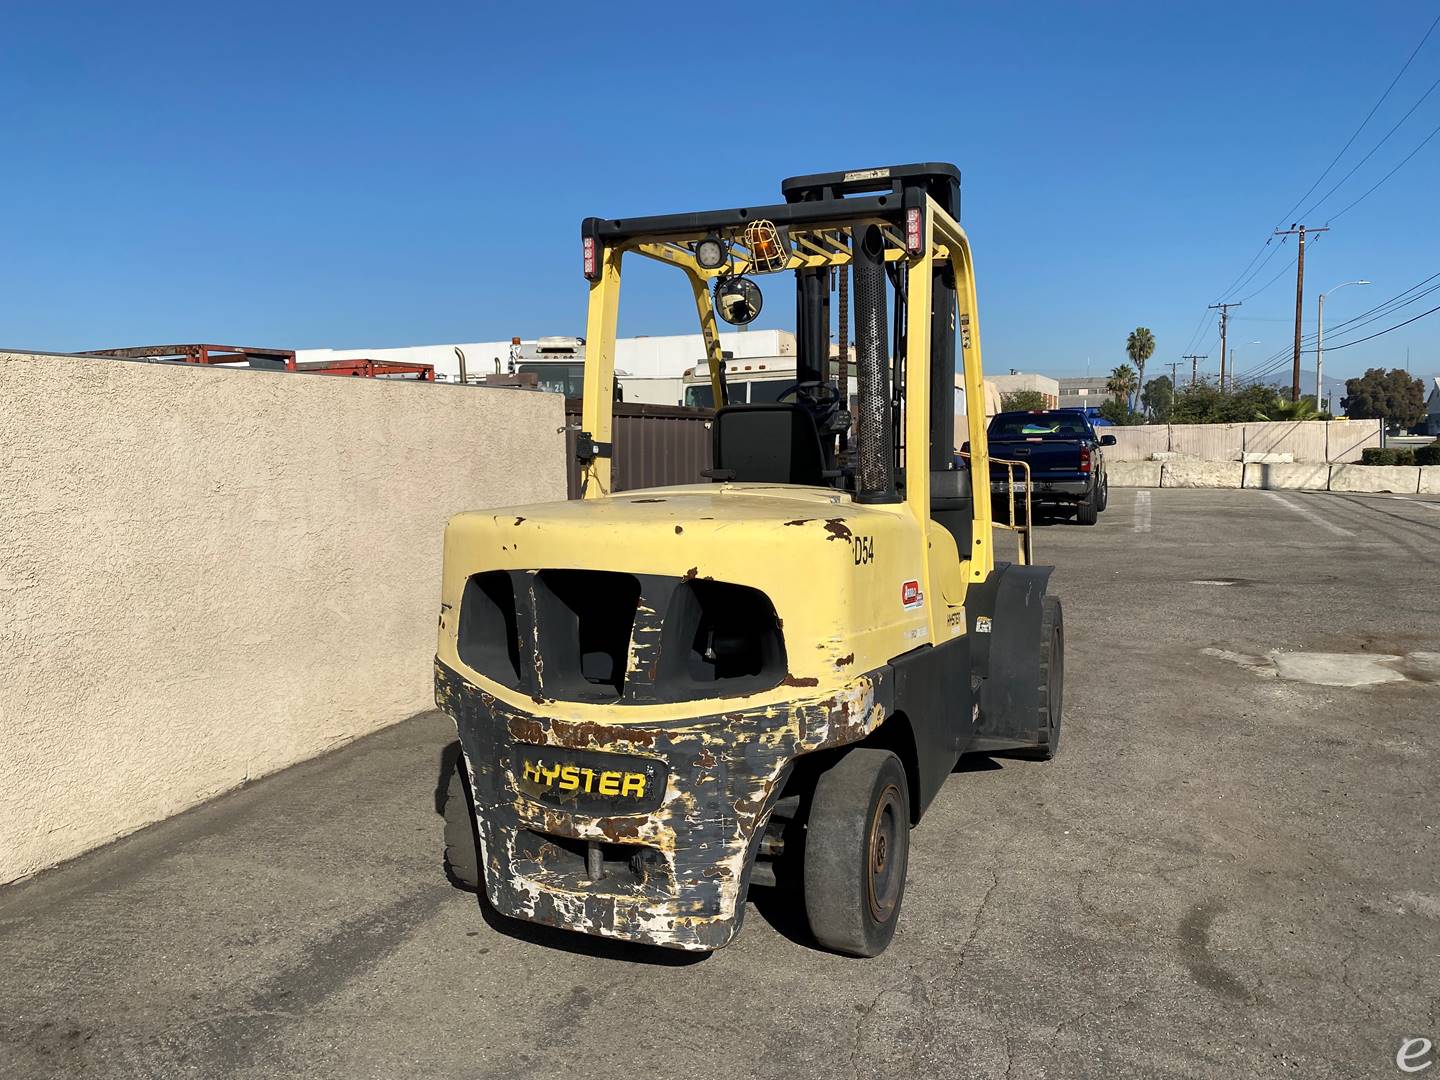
(666, 696)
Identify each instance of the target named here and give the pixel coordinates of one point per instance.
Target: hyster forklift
(667, 696)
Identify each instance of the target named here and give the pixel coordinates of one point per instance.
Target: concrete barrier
(1430, 479)
(1201, 474)
(208, 575)
(1267, 458)
(1136, 443)
(1345, 439)
(1397, 479)
(1298, 476)
(1303, 440)
(1133, 473)
(1210, 442)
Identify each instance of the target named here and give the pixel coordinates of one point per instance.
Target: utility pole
(1174, 367)
(1194, 362)
(1299, 230)
(1224, 323)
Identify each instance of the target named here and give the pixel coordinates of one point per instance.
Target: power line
(1373, 109)
(1278, 275)
(1386, 307)
(1242, 279)
(1232, 286)
(1382, 333)
(1384, 139)
(1255, 273)
(1389, 174)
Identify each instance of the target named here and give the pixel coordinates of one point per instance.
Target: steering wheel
(823, 399)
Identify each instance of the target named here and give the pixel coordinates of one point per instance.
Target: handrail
(1025, 529)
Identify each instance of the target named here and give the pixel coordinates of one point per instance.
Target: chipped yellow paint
(839, 616)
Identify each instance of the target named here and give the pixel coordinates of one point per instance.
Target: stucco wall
(208, 575)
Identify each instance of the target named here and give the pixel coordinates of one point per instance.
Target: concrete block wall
(1304, 440)
(1290, 476)
(208, 575)
(1185, 473)
(1397, 479)
(1137, 443)
(1209, 442)
(1346, 439)
(1297, 476)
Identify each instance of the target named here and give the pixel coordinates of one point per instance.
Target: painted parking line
(1311, 515)
(1142, 511)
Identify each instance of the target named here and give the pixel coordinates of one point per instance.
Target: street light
(1320, 345)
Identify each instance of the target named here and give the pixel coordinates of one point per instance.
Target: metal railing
(1022, 527)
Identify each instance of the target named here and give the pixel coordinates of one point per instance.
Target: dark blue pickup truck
(1064, 455)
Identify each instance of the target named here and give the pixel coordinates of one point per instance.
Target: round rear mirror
(738, 300)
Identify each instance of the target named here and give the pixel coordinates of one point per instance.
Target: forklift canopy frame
(820, 233)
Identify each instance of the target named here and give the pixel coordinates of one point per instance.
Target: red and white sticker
(911, 596)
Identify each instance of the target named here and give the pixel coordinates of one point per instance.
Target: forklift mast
(941, 182)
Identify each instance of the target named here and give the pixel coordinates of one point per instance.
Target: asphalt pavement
(1230, 871)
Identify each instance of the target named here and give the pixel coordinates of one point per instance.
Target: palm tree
(1122, 382)
(1140, 346)
(1304, 409)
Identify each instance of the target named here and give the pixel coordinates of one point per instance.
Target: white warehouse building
(646, 365)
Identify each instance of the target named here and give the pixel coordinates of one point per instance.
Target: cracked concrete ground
(1221, 876)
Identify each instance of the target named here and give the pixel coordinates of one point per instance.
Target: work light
(710, 253)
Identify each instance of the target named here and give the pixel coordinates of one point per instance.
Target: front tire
(462, 855)
(1104, 498)
(857, 846)
(1052, 683)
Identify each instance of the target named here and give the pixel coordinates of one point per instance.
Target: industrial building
(1084, 393)
(1021, 380)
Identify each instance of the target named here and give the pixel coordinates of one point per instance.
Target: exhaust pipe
(875, 482)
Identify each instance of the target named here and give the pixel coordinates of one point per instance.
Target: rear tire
(857, 846)
(1087, 511)
(1052, 683)
(462, 855)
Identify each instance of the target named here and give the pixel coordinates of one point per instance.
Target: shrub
(1404, 456)
(1375, 455)
(1428, 455)
(1024, 401)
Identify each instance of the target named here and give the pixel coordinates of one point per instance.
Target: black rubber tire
(1087, 510)
(1052, 683)
(462, 854)
(857, 847)
(1104, 498)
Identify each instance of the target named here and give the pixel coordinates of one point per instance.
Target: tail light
(591, 262)
(912, 230)
(1084, 459)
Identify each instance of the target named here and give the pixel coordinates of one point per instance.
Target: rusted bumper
(676, 874)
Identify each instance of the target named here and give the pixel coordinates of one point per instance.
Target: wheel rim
(885, 855)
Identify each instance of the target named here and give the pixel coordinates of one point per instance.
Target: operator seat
(768, 444)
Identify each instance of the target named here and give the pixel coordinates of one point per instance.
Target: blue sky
(307, 175)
